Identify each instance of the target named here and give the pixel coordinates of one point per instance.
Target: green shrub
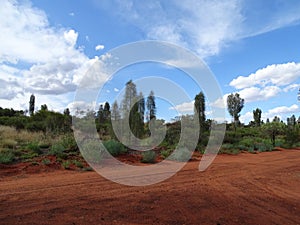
(114, 147)
(148, 156)
(34, 146)
(181, 154)
(165, 153)
(66, 164)
(29, 155)
(58, 151)
(69, 142)
(78, 164)
(6, 156)
(46, 161)
(91, 151)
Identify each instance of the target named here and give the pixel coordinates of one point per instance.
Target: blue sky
(252, 47)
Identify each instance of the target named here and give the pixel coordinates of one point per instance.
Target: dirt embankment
(243, 189)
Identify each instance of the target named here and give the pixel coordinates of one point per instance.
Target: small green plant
(114, 147)
(69, 142)
(58, 151)
(28, 155)
(35, 163)
(165, 153)
(6, 156)
(148, 157)
(66, 164)
(34, 146)
(46, 161)
(78, 163)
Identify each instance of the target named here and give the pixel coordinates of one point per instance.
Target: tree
(199, 107)
(151, 107)
(100, 114)
(129, 98)
(44, 107)
(106, 111)
(31, 104)
(291, 121)
(115, 113)
(257, 117)
(235, 105)
(273, 129)
(141, 106)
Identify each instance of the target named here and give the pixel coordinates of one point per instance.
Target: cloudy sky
(252, 47)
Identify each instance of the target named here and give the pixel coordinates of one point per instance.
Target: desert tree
(31, 104)
(235, 105)
(151, 106)
(199, 110)
(257, 117)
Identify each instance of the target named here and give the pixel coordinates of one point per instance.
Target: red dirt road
(244, 189)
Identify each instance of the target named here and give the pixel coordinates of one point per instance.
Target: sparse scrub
(182, 154)
(34, 147)
(148, 156)
(78, 163)
(6, 156)
(165, 153)
(58, 151)
(46, 161)
(66, 164)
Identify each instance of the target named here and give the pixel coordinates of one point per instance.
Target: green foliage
(29, 155)
(57, 150)
(114, 147)
(165, 153)
(78, 163)
(92, 151)
(235, 105)
(66, 164)
(34, 147)
(46, 161)
(6, 156)
(199, 112)
(148, 156)
(69, 142)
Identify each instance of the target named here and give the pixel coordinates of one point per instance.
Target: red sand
(247, 188)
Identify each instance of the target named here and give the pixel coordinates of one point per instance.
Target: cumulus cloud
(116, 90)
(276, 74)
(51, 62)
(186, 107)
(99, 47)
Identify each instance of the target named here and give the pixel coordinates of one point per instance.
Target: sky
(252, 48)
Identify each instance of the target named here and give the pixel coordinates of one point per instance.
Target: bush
(66, 164)
(34, 146)
(46, 161)
(78, 164)
(148, 156)
(69, 142)
(181, 154)
(114, 147)
(6, 156)
(165, 153)
(58, 151)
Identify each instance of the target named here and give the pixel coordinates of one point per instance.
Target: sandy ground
(247, 188)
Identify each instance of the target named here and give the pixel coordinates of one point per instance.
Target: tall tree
(106, 111)
(141, 106)
(151, 107)
(235, 105)
(199, 106)
(31, 104)
(100, 114)
(257, 117)
(129, 98)
(115, 113)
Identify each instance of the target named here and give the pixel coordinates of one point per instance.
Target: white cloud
(204, 26)
(71, 14)
(116, 90)
(51, 62)
(186, 107)
(252, 94)
(276, 74)
(99, 47)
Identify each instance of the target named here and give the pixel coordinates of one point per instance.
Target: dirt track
(244, 189)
